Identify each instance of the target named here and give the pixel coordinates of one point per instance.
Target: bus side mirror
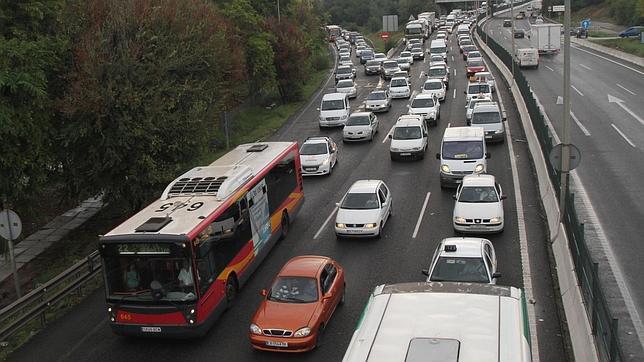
(263, 292)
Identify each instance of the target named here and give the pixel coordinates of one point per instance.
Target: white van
(334, 110)
(463, 30)
(463, 152)
(438, 46)
(489, 116)
(408, 138)
(450, 21)
(527, 57)
(462, 322)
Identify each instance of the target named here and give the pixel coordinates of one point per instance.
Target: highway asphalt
(84, 334)
(608, 127)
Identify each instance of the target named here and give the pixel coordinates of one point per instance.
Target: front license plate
(309, 169)
(488, 137)
(405, 154)
(151, 329)
(276, 344)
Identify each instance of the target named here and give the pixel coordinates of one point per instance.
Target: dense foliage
(367, 14)
(117, 97)
(624, 12)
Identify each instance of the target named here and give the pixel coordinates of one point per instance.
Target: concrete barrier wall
(609, 51)
(582, 341)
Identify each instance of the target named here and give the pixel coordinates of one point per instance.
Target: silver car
(361, 126)
(346, 86)
(378, 101)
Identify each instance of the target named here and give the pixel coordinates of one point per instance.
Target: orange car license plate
(276, 344)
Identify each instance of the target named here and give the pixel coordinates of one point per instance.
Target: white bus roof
(210, 185)
(441, 322)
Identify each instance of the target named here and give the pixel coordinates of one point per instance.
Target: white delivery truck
(430, 16)
(546, 38)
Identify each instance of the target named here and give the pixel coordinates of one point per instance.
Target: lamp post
(513, 44)
(565, 152)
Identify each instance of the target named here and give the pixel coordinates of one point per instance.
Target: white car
(346, 86)
(427, 106)
(471, 260)
(441, 35)
(417, 52)
(435, 58)
(381, 57)
(478, 206)
(364, 210)
(345, 60)
(486, 77)
(378, 101)
(411, 42)
(359, 49)
(407, 56)
(439, 72)
(480, 89)
(360, 126)
(434, 87)
(409, 138)
(399, 88)
(404, 74)
(469, 107)
(474, 55)
(403, 64)
(318, 156)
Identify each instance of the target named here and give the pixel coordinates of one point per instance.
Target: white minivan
(463, 152)
(438, 46)
(489, 116)
(527, 57)
(334, 110)
(448, 321)
(408, 137)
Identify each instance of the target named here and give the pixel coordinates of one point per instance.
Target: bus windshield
(148, 272)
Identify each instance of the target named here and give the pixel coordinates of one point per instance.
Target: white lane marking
(454, 96)
(388, 133)
(523, 238)
(454, 72)
(325, 222)
(621, 86)
(420, 217)
(413, 94)
(552, 70)
(585, 66)
(381, 83)
(623, 135)
(581, 126)
(452, 58)
(576, 90)
(610, 60)
(420, 75)
(448, 124)
(620, 103)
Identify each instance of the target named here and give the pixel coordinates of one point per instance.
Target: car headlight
(370, 226)
(302, 332)
(254, 329)
(340, 225)
(416, 148)
(459, 219)
(445, 168)
(496, 220)
(479, 168)
(498, 131)
(325, 162)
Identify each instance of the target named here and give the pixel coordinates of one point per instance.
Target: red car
(474, 66)
(302, 298)
(466, 49)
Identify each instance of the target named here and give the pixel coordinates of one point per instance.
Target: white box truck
(546, 38)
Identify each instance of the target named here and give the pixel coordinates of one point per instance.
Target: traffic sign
(384, 35)
(585, 24)
(10, 225)
(556, 155)
(559, 8)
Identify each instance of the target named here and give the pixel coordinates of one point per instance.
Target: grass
(380, 46)
(600, 34)
(250, 124)
(627, 45)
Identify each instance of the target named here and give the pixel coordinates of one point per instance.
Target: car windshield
(469, 48)
(405, 54)
(478, 194)
(474, 54)
(433, 85)
(406, 133)
(373, 63)
(343, 70)
(478, 88)
(358, 121)
(401, 61)
(437, 71)
(486, 117)
(390, 65)
(437, 50)
(453, 269)
(466, 42)
(332, 105)
(376, 96)
(366, 54)
(462, 150)
(436, 58)
(344, 84)
(474, 63)
(380, 56)
(360, 201)
(422, 103)
(413, 30)
(313, 149)
(401, 82)
(294, 290)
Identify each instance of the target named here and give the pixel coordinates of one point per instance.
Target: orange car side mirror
(263, 292)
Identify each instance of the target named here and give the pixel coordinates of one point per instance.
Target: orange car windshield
(294, 290)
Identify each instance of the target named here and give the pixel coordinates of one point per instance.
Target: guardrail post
(595, 301)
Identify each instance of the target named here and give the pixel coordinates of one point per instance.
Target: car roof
(465, 247)
(390, 62)
(304, 265)
(364, 186)
(403, 78)
(334, 96)
(344, 67)
(317, 139)
(486, 107)
(359, 114)
(479, 179)
(424, 95)
(433, 80)
(406, 120)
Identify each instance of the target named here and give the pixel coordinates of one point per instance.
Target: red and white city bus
(333, 32)
(172, 268)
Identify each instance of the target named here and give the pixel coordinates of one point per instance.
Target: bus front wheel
(231, 290)
(284, 225)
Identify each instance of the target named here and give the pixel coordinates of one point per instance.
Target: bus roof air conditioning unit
(218, 181)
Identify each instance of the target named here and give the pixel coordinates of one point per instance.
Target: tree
(290, 58)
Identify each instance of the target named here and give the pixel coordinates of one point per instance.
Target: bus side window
(281, 181)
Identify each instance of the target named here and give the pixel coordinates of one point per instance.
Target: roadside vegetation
(366, 15)
(620, 12)
(628, 45)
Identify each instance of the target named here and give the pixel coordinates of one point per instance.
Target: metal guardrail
(35, 304)
(604, 326)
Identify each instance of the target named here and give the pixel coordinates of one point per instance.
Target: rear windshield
(371, 63)
(422, 103)
(486, 117)
(478, 88)
(475, 63)
(437, 71)
(462, 150)
(344, 84)
(433, 85)
(390, 65)
(398, 82)
(437, 50)
(407, 133)
(460, 270)
(343, 70)
(377, 96)
(358, 121)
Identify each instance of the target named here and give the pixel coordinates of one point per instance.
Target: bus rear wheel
(285, 225)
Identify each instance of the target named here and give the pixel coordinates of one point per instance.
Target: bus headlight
(254, 329)
(302, 332)
(479, 168)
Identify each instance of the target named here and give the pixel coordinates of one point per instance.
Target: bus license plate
(151, 329)
(405, 154)
(276, 344)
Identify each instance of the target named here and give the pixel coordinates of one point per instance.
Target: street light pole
(513, 45)
(565, 151)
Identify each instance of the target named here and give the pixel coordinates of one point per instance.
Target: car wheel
(379, 232)
(318, 338)
(371, 137)
(231, 290)
(344, 293)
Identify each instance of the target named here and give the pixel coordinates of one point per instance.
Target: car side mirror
(454, 197)
(424, 134)
(384, 204)
(391, 136)
(425, 272)
(488, 155)
(503, 197)
(327, 296)
(337, 204)
(263, 292)
(496, 275)
(464, 92)
(438, 156)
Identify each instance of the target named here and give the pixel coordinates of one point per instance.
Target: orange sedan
(302, 298)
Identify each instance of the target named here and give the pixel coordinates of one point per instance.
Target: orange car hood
(291, 316)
